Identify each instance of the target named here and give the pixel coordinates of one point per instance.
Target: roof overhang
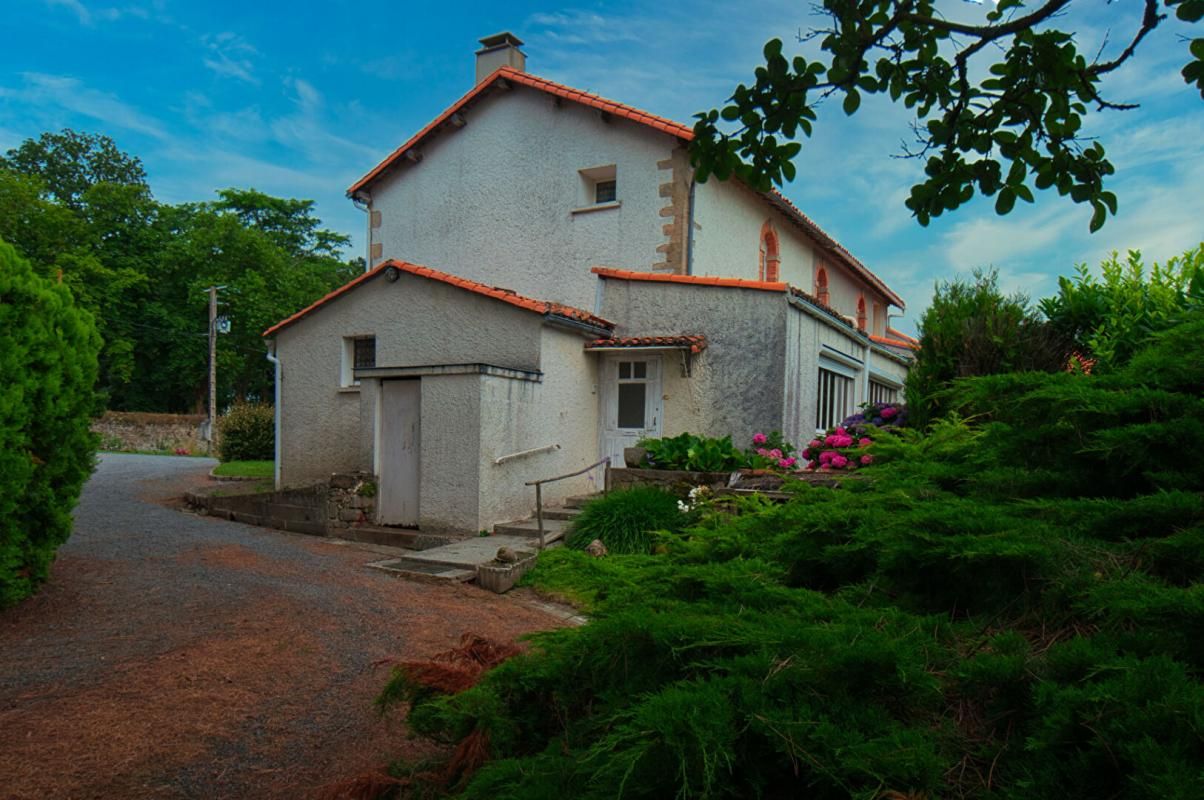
(553, 313)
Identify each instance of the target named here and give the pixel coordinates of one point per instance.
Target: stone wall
(350, 501)
(123, 431)
(301, 510)
(323, 509)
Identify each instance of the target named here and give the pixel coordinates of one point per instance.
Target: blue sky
(301, 99)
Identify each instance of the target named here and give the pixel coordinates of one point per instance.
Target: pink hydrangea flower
(830, 439)
(826, 456)
(865, 441)
(761, 451)
(867, 459)
(775, 453)
(815, 443)
(806, 452)
(888, 412)
(840, 431)
(760, 438)
(842, 441)
(839, 461)
(786, 463)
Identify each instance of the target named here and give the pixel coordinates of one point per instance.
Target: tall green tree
(69, 163)
(999, 105)
(290, 223)
(79, 209)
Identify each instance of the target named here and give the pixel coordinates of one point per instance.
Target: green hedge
(48, 350)
(1008, 610)
(247, 433)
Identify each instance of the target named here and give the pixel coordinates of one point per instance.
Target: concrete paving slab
(468, 553)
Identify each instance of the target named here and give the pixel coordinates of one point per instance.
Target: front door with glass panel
(631, 403)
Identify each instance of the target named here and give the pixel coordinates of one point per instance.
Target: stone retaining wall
(351, 500)
(323, 509)
(132, 431)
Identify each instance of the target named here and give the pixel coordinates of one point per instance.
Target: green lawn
(245, 469)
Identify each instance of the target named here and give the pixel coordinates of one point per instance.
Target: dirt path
(178, 656)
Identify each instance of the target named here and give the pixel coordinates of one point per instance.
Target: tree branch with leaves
(1016, 128)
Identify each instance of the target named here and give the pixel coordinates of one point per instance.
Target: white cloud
(230, 56)
(75, 7)
(70, 94)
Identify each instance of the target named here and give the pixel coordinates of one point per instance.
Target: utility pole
(212, 290)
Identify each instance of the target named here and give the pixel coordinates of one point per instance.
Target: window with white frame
(359, 352)
(599, 185)
(835, 400)
(882, 392)
(633, 394)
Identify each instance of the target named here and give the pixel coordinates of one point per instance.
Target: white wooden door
(631, 403)
(400, 439)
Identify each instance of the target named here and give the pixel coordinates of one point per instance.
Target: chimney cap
(503, 39)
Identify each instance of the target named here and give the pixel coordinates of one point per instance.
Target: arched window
(861, 313)
(769, 268)
(821, 286)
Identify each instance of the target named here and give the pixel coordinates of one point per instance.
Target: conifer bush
(48, 352)
(1011, 607)
(247, 432)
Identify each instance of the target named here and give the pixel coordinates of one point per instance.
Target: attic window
(604, 192)
(599, 188)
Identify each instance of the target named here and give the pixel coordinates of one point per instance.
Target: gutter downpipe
(276, 409)
(690, 231)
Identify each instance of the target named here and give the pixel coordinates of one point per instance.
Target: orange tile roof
(900, 335)
(698, 280)
(733, 283)
(662, 124)
(505, 295)
(551, 87)
(695, 343)
(895, 342)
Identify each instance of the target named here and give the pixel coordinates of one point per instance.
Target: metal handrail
(547, 448)
(539, 490)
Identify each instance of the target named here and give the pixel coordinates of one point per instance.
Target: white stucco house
(547, 285)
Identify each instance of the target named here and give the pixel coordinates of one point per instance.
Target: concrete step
(470, 552)
(553, 529)
(424, 571)
(561, 513)
(393, 537)
(578, 501)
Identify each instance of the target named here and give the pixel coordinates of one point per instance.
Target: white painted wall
(416, 322)
(517, 416)
(493, 201)
(451, 441)
(736, 383)
(728, 220)
(728, 217)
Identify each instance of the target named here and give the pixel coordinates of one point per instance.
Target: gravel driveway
(172, 655)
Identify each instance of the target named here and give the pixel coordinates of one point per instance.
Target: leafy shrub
(695, 453)
(247, 432)
(623, 519)
(1111, 317)
(846, 446)
(771, 451)
(48, 350)
(972, 329)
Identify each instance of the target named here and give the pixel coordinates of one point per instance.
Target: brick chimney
(500, 50)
